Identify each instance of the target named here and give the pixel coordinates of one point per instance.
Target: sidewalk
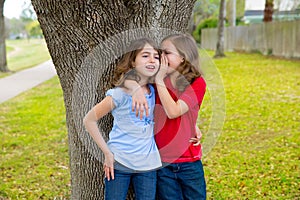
(19, 82)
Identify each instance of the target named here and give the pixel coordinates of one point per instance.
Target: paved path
(19, 82)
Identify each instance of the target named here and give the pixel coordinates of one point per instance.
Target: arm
(139, 102)
(172, 108)
(90, 123)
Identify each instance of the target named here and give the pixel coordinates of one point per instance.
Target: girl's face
(173, 56)
(146, 62)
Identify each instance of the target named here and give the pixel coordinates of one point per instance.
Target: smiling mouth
(150, 67)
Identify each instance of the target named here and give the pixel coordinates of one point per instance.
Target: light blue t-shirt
(132, 139)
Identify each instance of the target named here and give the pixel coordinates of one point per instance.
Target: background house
(283, 10)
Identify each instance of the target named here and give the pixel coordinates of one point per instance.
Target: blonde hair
(125, 69)
(189, 69)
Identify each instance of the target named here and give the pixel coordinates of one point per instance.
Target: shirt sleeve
(194, 93)
(117, 95)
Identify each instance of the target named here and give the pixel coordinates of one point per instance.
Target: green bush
(212, 23)
(207, 23)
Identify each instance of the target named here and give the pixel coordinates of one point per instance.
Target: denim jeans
(178, 181)
(144, 184)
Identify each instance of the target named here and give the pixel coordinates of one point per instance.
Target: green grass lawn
(256, 157)
(34, 146)
(22, 54)
(258, 153)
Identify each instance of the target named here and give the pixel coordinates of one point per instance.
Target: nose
(152, 58)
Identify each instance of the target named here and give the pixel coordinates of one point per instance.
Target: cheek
(173, 63)
(157, 62)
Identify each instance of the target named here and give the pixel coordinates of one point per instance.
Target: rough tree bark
(84, 39)
(220, 43)
(3, 62)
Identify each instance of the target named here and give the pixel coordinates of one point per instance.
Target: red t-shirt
(172, 135)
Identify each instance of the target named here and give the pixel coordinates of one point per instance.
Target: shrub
(207, 23)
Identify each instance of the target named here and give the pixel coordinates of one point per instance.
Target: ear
(133, 64)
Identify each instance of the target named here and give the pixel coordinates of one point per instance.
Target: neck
(145, 88)
(143, 82)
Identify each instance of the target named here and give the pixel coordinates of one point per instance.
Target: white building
(283, 10)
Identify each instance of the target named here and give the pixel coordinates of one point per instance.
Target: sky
(254, 4)
(260, 4)
(13, 8)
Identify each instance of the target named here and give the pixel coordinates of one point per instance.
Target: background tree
(15, 28)
(33, 29)
(231, 12)
(82, 36)
(204, 15)
(268, 11)
(3, 62)
(235, 10)
(221, 24)
(25, 26)
(30, 24)
(204, 9)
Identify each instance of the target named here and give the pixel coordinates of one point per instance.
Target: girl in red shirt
(180, 89)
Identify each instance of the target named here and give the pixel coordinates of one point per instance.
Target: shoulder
(200, 80)
(118, 95)
(115, 91)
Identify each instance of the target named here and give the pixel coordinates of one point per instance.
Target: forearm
(90, 123)
(139, 101)
(131, 85)
(172, 108)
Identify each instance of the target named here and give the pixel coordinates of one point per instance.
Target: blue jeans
(144, 184)
(178, 181)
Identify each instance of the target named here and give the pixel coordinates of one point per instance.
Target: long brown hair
(189, 69)
(125, 69)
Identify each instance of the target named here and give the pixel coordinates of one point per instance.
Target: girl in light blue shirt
(130, 153)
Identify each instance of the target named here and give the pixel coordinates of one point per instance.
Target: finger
(165, 60)
(107, 174)
(141, 111)
(197, 143)
(112, 173)
(193, 140)
(137, 108)
(133, 105)
(147, 110)
(198, 135)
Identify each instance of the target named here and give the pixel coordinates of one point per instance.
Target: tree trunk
(231, 14)
(3, 62)
(84, 39)
(268, 12)
(220, 43)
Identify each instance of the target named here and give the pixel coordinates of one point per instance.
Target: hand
(197, 139)
(109, 166)
(139, 103)
(161, 74)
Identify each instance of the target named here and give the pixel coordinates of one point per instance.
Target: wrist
(159, 81)
(107, 153)
(135, 89)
